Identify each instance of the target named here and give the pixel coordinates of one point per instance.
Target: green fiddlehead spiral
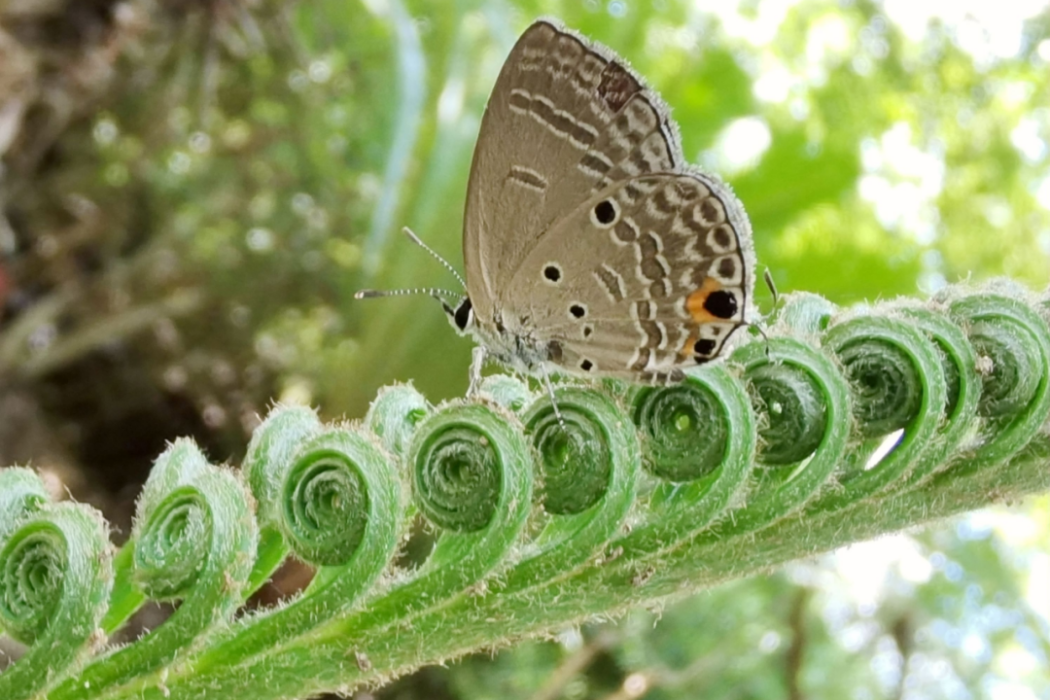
(793, 408)
(472, 478)
(325, 503)
(685, 430)
(267, 461)
(963, 389)
(603, 440)
(394, 414)
(21, 492)
(509, 392)
(456, 470)
(589, 469)
(55, 578)
(1012, 343)
(803, 405)
(897, 383)
(576, 459)
(192, 537)
(342, 506)
(713, 408)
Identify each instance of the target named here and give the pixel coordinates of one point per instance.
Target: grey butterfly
(591, 247)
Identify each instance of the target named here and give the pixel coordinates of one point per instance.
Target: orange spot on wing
(694, 303)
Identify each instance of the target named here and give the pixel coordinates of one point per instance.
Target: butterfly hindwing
(653, 275)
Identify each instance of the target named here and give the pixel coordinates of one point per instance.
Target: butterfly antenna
(441, 295)
(419, 242)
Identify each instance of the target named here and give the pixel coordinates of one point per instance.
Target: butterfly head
(461, 316)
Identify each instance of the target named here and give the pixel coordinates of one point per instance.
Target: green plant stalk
(324, 662)
(125, 597)
(516, 558)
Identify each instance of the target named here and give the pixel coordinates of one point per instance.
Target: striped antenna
(440, 294)
(415, 239)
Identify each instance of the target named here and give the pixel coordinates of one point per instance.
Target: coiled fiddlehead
(394, 414)
(719, 405)
(685, 429)
(507, 391)
(55, 577)
(192, 531)
(959, 365)
(897, 383)
(804, 409)
(456, 472)
(342, 509)
(269, 457)
(471, 476)
(325, 503)
(578, 456)
(595, 458)
(461, 451)
(1012, 343)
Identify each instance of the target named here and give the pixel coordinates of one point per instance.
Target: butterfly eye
(605, 213)
(464, 314)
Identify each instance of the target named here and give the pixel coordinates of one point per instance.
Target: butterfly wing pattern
(591, 247)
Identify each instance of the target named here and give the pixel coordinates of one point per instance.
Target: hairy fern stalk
(778, 453)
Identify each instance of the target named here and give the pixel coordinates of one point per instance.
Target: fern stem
(644, 493)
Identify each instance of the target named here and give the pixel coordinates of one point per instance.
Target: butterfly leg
(550, 393)
(477, 362)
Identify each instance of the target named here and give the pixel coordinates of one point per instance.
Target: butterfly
(591, 247)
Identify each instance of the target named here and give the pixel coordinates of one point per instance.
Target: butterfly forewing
(566, 118)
